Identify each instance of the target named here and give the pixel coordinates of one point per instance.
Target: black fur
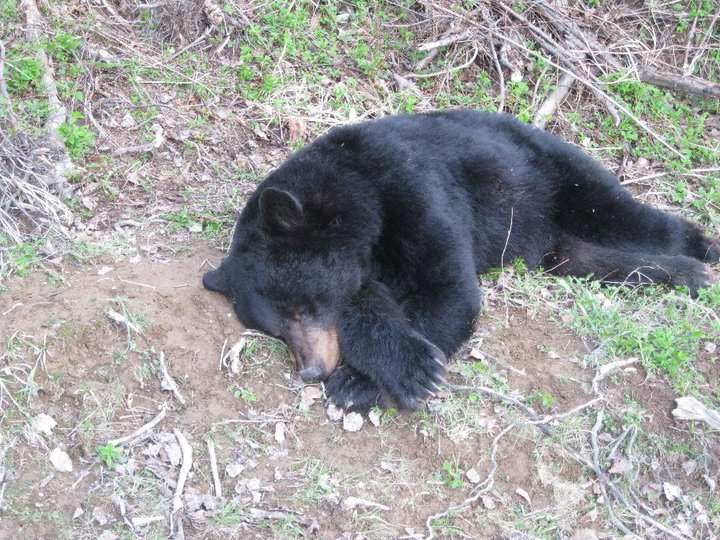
(380, 229)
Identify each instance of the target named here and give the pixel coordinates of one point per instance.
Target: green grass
(664, 329)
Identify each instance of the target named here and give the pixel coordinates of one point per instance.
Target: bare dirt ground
(285, 468)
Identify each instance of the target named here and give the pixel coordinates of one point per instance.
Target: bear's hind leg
(625, 264)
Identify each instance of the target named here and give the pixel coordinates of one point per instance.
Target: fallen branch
(444, 42)
(156, 143)
(186, 450)
(679, 84)
(552, 102)
(167, 382)
(592, 85)
(57, 113)
(142, 429)
(689, 408)
(214, 468)
(143, 521)
(596, 466)
(483, 488)
(5, 101)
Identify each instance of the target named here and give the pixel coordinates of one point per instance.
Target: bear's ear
(217, 281)
(280, 209)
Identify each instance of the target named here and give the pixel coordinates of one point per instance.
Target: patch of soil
(98, 379)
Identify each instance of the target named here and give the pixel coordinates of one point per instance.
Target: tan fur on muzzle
(313, 346)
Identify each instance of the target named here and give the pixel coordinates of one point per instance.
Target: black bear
(362, 251)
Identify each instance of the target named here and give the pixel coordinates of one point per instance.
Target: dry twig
(142, 429)
(214, 468)
(167, 382)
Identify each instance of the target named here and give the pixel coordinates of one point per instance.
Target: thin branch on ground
(679, 84)
(5, 97)
(552, 102)
(167, 382)
(483, 488)
(214, 469)
(142, 429)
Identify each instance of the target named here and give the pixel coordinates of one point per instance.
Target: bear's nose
(312, 374)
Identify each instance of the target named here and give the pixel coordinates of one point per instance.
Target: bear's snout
(315, 349)
(312, 374)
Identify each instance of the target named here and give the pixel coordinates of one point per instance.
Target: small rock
(280, 432)
(99, 516)
(334, 413)
(488, 502)
(473, 476)
(584, 534)
(352, 422)
(107, 535)
(77, 513)
(234, 469)
(374, 417)
(60, 460)
(308, 395)
(671, 491)
(127, 121)
(44, 423)
(104, 270)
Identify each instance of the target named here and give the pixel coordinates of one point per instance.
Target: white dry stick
(142, 521)
(156, 143)
(167, 382)
(120, 318)
(184, 469)
(151, 424)
(447, 40)
(57, 113)
(553, 101)
(4, 97)
(605, 370)
(214, 469)
(689, 408)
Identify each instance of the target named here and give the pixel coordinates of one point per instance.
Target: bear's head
(295, 263)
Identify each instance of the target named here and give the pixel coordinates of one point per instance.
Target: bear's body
(365, 246)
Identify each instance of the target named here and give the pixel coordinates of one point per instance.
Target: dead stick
(444, 42)
(552, 102)
(3, 89)
(167, 382)
(483, 488)
(146, 147)
(214, 469)
(584, 80)
(151, 424)
(184, 469)
(679, 84)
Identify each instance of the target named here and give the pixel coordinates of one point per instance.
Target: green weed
(109, 455)
(452, 475)
(77, 137)
(242, 393)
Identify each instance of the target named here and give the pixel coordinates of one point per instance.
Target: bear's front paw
(352, 391)
(416, 373)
